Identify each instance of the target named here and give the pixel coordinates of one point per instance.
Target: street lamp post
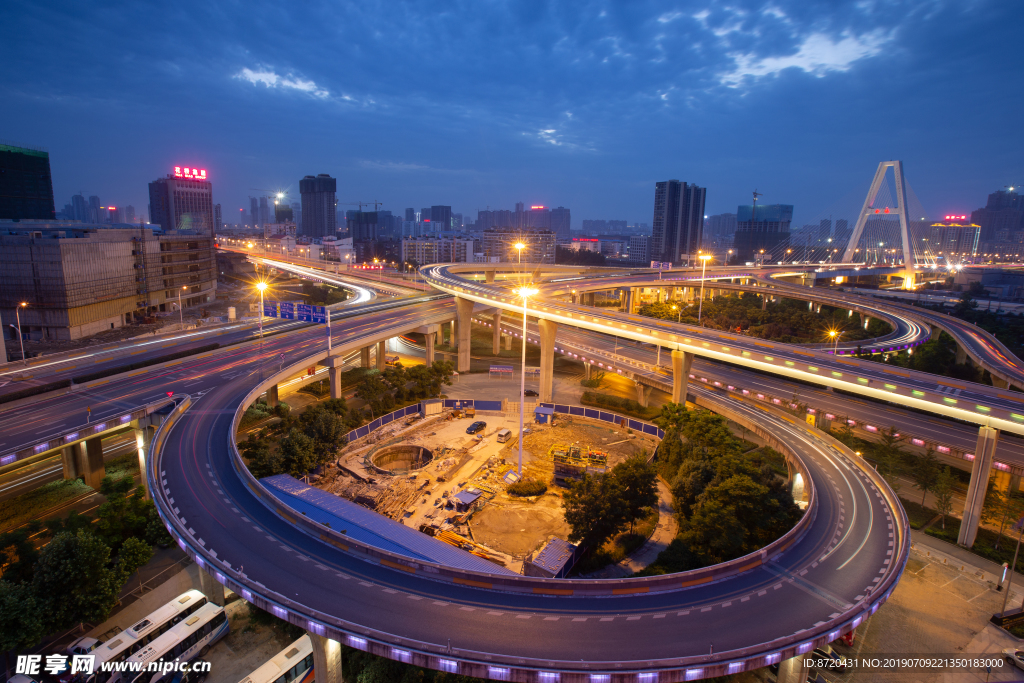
(526, 293)
(704, 258)
(261, 286)
(835, 335)
(181, 314)
(21, 339)
(679, 316)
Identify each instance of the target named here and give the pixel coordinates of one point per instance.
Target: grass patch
(320, 388)
(984, 544)
(619, 547)
(20, 509)
(919, 515)
(626, 406)
(122, 466)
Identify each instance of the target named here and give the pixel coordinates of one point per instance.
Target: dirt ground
(520, 528)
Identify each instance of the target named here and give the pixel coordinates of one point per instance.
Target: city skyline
(609, 99)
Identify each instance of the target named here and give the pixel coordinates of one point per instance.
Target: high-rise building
(95, 210)
(1004, 211)
(319, 205)
(560, 222)
(639, 250)
(254, 212)
(283, 213)
(79, 208)
(410, 215)
(26, 188)
(538, 218)
(182, 201)
(762, 231)
(441, 217)
(718, 232)
(129, 214)
(678, 221)
(297, 213)
(264, 212)
(218, 219)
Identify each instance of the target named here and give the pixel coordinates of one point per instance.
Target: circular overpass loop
(840, 565)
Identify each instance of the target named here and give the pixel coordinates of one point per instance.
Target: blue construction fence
(578, 411)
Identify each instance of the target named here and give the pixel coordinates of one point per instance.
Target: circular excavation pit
(401, 459)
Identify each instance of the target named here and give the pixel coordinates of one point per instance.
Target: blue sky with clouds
(478, 103)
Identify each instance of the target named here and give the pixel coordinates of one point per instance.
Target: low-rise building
(424, 250)
(79, 279)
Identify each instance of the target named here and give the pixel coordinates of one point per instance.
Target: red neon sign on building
(191, 173)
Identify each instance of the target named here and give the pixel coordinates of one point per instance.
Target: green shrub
(527, 487)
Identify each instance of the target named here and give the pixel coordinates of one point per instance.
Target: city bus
(138, 635)
(183, 642)
(294, 664)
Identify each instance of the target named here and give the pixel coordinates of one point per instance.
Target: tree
(374, 393)
(672, 416)
(890, 457)
(74, 581)
(298, 454)
(21, 622)
(326, 430)
(156, 532)
(263, 460)
(122, 515)
(926, 471)
(943, 490)
(593, 510)
(18, 555)
(134, 554)
(429, 380)
(73, 522)
(638, 481)
(844, 433)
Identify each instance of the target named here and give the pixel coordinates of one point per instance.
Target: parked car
(530, 392)
(1014, 656)
(477, 426)
(83, 646)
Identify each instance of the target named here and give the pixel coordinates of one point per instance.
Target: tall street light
(261, 286)
(834, 334)
(181, 315)
(704, 258)
(526, 293)
(519, 247)
(21, 339)
(679, 316)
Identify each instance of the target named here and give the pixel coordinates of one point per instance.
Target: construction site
(428, 473)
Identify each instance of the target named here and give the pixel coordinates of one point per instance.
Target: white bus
(294, 664)
(183, 642)
(135, 637)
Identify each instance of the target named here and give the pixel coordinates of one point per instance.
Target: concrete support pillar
(272, 397)
(634, 299)
(326, 659)
(793, 670)
(364, 357)
(1014, 486)
(69, 459)
(984, 453)
(643, 393)
(429, 343)
(961, 355)
(999, 383)
(464, 313)
(91, 462)
(586, 371)
(451, 335)
(496, 338)
(335, 365)
(508, 342)
(590, 298)
(489, 276)
(382, 349)
(439, 336)
(547, 331)
(143, 437)
(213, 590)
(764, 302)
(681, 363)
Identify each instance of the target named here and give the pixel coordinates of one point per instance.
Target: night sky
(478, 103)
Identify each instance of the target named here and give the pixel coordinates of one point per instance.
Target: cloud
(272, 79)
(818, 55)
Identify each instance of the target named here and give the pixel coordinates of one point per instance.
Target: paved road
(846, 551)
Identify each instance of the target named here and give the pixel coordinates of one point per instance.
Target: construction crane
(362, 204)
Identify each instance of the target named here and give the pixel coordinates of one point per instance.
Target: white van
(504, 435)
